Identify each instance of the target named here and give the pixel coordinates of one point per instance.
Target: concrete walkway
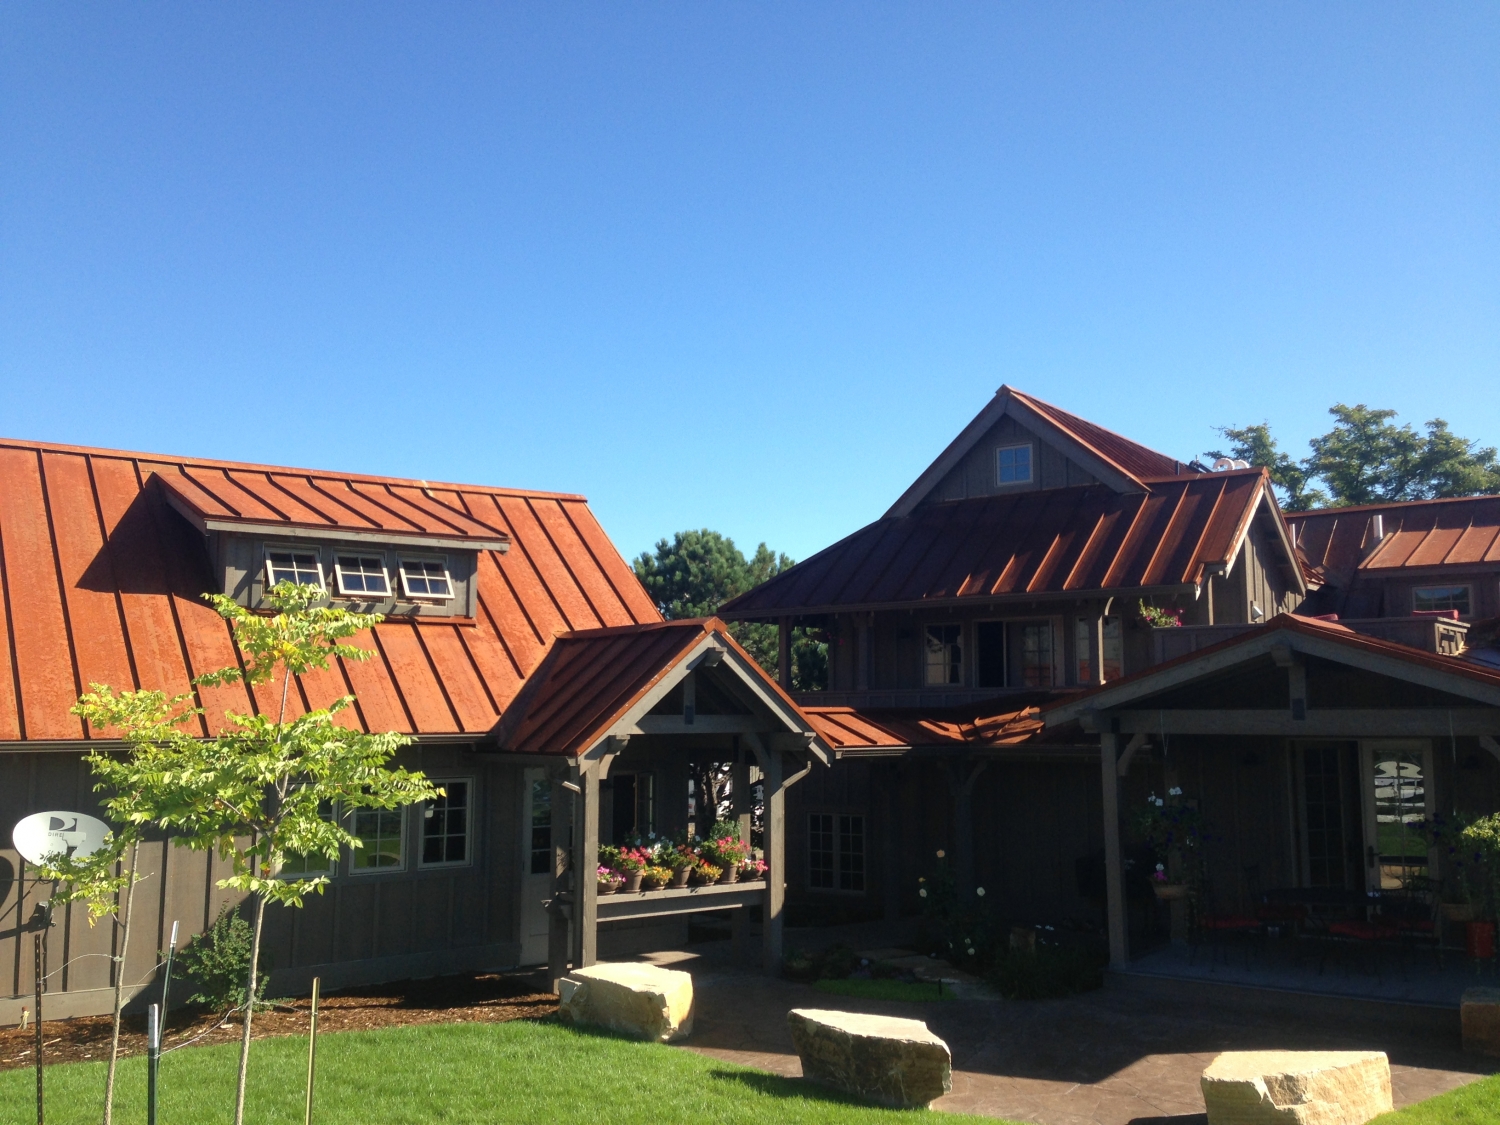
(1104, 1058)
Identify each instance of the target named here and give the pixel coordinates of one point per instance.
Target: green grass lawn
(452, 1074)
(885, 989)
(1478, 1103)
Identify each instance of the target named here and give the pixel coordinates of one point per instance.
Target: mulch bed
(463, 998)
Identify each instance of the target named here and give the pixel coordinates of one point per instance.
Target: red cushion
(1361, 931)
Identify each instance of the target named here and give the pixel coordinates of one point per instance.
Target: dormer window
(301, 567)
(1013, 464)
(425, 578)
(362, 574)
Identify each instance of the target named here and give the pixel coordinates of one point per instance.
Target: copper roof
(852, 731)
(102, 582)
(1130, 457)
(1025, 544)
(591, 678)
(1419, 533)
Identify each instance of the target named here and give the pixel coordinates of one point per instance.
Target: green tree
(256, 793)
(696, 572)
(1366, 458)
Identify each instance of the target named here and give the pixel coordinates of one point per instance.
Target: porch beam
(701, 724)
(1114, 864)
(1342, 723)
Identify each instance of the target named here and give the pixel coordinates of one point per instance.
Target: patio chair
(1216, 929)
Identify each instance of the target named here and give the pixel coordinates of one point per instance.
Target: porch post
(557, 913)
(585, 859)
(962, 784)
(740, 794)
(775, 828)
(1114, 864)
(891, 840)
(784, 652)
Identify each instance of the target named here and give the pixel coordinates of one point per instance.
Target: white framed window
(445, 824)
(1013, 464)
(426, 578)
(540, 828)
(1429, 599)
(945, 654)
(380, 833)
(284, 564)
(1036, 654)
(836, 852)
(361, 574)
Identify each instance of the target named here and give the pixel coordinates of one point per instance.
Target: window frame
(1466, 587)
(421, 833)
(1020, 625)
(837, 832)
(1029, 478)
(354, 853)
(366, 595)
(331, 870)
(441, 560)
(269, 574)
(963, 661)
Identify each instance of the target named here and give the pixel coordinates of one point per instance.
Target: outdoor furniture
(1297, 1087)
(636, 999)
(895, 1062)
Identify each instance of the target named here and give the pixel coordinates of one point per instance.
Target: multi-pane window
(945, 654)
(296, 865)
(301, 567)
(541, 826)
(1012, 464)
(445, 825)
(835, 852)
(1427, 599)
(1036, 654)
(379, 833)
(425, 578)
(361, 574)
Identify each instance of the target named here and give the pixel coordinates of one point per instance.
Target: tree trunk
(114, 1039)
(239, 1091)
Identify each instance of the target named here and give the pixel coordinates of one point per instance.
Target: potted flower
(609, 881)
(1159, 618)
(753, 869)
(680, 859)
(1173, 828)
(706, 873)
(726, 853)
(632, 865)
(654, 878)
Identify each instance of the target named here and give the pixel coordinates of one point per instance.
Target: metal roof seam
(107, 553)
(1085, 552)
(1042, 570)
(598, 563)
(313, 486)
(62, 586)
(275, 482)
(235, 482)
(1201, 545)
(411, 718)
(1136, 510)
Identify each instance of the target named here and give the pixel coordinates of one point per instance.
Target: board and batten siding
(975, 474)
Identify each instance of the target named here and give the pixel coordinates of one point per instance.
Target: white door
(1398, 795)
(536, 852)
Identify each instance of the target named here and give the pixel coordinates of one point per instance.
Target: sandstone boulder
(1480, 1012)
(892, 1061)
(1297, 1087)
(635, 999)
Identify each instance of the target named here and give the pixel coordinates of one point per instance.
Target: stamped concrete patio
(1113, 1057)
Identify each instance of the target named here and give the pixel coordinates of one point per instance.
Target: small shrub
(218, 962)
(1050, 971)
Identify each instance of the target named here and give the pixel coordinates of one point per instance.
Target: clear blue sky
(745, 266)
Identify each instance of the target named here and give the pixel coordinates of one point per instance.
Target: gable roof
(1299, 634)
(101, 580)
(851, 731)
(593, 681)
(1024, 545)
(1464, 531)
(1122, 464)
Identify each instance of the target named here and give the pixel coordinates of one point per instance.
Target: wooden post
(775, 827)
(740, 794)
(557, 913)
(784, 652)
(1114, 862)
(585, 861)
(961, 778)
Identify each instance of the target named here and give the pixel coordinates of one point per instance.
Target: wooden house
(542, 688)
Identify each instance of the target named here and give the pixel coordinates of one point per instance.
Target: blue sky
(731, 265)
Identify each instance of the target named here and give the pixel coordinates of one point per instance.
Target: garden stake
(166, 980)
(153, 1059)
(36, 941)
(312, 1051)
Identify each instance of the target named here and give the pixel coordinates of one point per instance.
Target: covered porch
(639, 731)
(1302, 767)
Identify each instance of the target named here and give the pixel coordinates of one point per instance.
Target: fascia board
(952, 455)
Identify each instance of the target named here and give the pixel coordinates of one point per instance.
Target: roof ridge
(1071, 422)
(252, 466)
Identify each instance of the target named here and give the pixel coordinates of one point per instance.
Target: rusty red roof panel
(1028, 543)
(1459, 532)
(852, 731)
(105, 582)
(1131, 456)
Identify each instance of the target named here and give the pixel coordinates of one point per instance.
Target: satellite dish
(41, 836)
(1223, 464)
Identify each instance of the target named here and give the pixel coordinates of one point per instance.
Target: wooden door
(537, 855)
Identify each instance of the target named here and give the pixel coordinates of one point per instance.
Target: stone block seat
(1480, 1012)
(1297, 1087)
(635, 999)
(883, 1059)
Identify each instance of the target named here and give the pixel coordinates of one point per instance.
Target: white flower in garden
(1160, 802)
(971, 953)
(923, 892)
(979, 891)
(1175, 791)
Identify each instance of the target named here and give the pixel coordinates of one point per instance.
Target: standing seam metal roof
(1455, 532)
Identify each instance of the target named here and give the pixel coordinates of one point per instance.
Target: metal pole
(41, 973)
(153, 1059)
(166, 980)
(312, 1051)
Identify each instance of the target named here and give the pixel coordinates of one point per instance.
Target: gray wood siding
(975, 474)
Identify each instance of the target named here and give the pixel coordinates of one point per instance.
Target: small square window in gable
(1013, 464)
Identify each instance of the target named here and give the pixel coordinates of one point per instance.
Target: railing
(679, 900)
(1430, 634)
